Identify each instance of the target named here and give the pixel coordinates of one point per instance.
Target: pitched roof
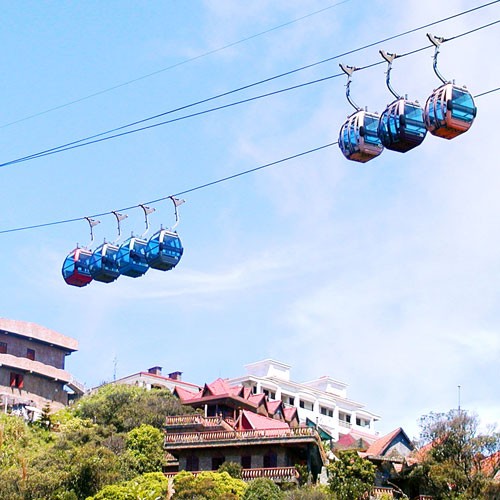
(273, 406)
(259, 422)
(290, 412)
(185, 395)
(380, 446)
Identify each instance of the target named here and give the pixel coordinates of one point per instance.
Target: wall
(49, 355)
(38, 389)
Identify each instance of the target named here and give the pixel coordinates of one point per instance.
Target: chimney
(175, 375)
(156, 370)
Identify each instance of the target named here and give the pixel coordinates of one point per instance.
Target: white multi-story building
(322, 401)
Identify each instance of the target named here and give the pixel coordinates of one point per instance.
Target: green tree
(149, 486)
(125, 407)
(208, 486)
(351, 476)
(232, 468)
(263, 489)
(453, 455)
(145, 445)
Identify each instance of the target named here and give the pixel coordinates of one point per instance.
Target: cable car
(358, 137)
(131, 257)
(449, 111)
(401, 126)
(164, 250)
(103, 265)
(75, 268)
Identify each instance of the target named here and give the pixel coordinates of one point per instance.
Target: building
(153, 379)
(322, 401)
(32, 367)
(236, 425)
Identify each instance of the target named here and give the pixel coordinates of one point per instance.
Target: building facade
(322, 401)
(32, 366)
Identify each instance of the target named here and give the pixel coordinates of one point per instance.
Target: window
(192, 463)
(254, 389)
(30, 354)
(362, 422)
(326, 411)
(246, 461)
(3, 347)
(345, 418)
(307, 405)
(217, 462)
(16, 380)
(270, 459)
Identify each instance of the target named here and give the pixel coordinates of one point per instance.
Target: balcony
(235, 437)
(345, 423)
(278, 474)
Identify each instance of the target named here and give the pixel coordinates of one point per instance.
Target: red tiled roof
(259, 422)
(185, 395)
(272, 406)
(490, 465)
(38, 332)
(290, 412)
(257, 398)
(162, 377)
(379, 447)
(218, 387)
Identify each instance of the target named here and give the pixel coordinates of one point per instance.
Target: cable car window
(371, 135)
(414, 119)
(463, 105)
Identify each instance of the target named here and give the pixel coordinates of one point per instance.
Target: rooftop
(38, 332)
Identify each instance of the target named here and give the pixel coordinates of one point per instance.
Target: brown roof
(379, 447)
(36, 367)
(259, 422)
(38, 332)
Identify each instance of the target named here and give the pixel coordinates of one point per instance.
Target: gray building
(32, 366)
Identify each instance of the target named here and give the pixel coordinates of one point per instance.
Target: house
(236, 425)
(153, 379)
(323, 400)
(32, 367)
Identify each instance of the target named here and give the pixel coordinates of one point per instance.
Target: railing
(344, 423)
(282, 473)
(275, 473)
(193, 420)
(205, 436)
(378, 491)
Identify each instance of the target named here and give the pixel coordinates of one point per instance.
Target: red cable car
(75, 269)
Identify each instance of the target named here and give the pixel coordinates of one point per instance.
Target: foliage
(148, 486)
(208, 485)
(263, 489)
(125, 407)
(145, 446)
(232, 468)
(317, 492)
(351, 476)
(453, 456)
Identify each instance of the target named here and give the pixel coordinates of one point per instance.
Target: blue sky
(383, 275)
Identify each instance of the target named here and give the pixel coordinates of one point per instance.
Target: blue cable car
(358, 137)
(449, 111)
(75, 268)
(401, 126)
(103, 265)
(131, 257)
(164, 250)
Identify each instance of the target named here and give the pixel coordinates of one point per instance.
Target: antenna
(459, 400)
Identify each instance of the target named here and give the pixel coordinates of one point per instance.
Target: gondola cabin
(164, 250)
(75, 268)
(449, 111)
(358, 137)
(131, 257)
(401, 126)
(103, 264)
